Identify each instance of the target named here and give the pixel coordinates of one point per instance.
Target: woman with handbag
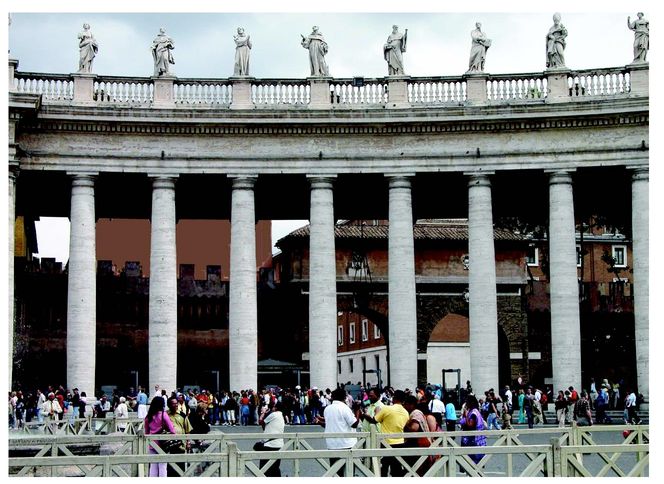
(157, 422)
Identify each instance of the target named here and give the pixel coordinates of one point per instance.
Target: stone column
(11, 192)
(640, 251)
(163, 308)
(483, 306)
(402, 309)
(242, 313)
(82, 287)
(564, 284)
(322, 286)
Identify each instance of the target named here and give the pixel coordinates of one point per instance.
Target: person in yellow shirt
(392, 419)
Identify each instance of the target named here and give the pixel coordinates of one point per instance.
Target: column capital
(83, 179)
(243, 182)
(163, 181)
(477, 179)
(640, 173)
(321, 181)
(401, 180)
(560, 178)
(13, 172)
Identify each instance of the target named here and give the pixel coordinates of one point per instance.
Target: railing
(80, 426)
(371, 92)
(510, 87)
(274, 92)
(120, 90)
(343, 93)
(202, 92)
(437, 90)
(599, 82)
(53, 87)
(524, 452)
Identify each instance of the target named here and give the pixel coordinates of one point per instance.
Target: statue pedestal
(84, 87)
(476, 87)
(397, 91)
(241, 92)
(13, 65)
(320, 97)
(558, 88)
(639, 74)
(163, 92)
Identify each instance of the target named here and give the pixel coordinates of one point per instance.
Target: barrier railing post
(557, 459)
(374, 444)
(232, 459)
(296, 463)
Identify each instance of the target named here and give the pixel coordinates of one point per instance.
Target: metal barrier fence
(572, 451)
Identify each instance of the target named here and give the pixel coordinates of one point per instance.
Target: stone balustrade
(512, 87)
(123, 91)
(250, 93)
(52, 87)
(202, 92)
(274, 92)
(437, 90)
(599, 82)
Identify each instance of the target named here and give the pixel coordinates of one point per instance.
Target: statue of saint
(242, 51)
(393, 51)
(480, 44)
(555, 44)
(641, 28)
(317, 50)
(87, 49)
(162, 46)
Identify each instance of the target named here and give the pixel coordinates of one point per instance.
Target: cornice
(376, 127)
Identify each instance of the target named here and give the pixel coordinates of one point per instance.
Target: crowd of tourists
(389, 411)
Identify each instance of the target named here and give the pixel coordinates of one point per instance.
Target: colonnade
(402, 334)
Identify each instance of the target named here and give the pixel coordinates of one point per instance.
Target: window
(350, 364)
(340, 335)
(619, 254)
(532, 257)
(351, 333)
(579, 256)
(339, 367)
(365, 330)
(376, 332)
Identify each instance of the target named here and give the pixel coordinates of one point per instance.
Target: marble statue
(480, 44)
(317, 50)
(242, 51)
(393, 51)
(162, 46)
(555, 44)
(641, 28)
(87, 49)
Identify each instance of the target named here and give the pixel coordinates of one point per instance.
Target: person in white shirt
(338, 417)
(508, 398)
(630, 408)
(51, 408)
(41, 399)
(437, 409)
(272, 421)
(122, 413)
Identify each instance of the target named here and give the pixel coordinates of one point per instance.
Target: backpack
(544, 399)
(574, 396)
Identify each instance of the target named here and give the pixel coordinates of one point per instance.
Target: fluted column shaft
(81, 289)
(163, 315)
(402, 308)
(483, 306)
(243, 326)
(322, 285)
(564, 286)
(640, 252)
(11, 192)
